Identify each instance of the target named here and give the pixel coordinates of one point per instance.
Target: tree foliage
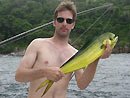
(17, 16)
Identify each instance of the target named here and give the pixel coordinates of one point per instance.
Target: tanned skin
(43, 59)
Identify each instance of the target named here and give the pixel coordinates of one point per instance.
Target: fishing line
(89, 29)
(24, 34)
(91, 25)
(29, 32)
(96, 8)
(108, 21)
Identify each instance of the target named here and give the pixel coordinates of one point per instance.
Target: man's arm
(26, 72)
(84, 77)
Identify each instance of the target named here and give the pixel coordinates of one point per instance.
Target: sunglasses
(68, 20)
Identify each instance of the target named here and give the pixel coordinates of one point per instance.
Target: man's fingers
(108, 45)
(108, 49)
(59, 76)
(55, 74)
(62, 74)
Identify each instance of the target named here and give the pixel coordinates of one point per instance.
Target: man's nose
(65, 23)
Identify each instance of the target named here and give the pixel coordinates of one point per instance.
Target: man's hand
(107, 51)
(54, 73)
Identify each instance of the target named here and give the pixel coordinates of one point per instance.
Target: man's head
(66, 6)
(64, 18)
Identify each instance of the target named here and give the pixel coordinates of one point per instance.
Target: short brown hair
(66, 6)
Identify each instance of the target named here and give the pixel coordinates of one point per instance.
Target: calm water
(112, 79)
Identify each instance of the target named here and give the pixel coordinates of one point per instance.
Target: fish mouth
(115, 38)
(114, 41)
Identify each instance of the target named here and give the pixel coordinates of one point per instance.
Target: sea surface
(112, 79)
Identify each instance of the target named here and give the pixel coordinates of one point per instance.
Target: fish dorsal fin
(87, 44)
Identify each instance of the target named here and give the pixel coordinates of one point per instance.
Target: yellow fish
(85, 56)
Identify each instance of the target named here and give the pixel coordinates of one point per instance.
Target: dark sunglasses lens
(69, 21)
(60, 20)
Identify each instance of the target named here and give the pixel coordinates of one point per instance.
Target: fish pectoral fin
(42, 84)
(48, 86)
(103, 46)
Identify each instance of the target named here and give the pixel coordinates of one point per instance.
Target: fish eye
(111, 38)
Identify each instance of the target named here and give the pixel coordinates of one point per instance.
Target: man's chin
(64, 34)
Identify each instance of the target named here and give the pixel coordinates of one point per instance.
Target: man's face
(64, 23)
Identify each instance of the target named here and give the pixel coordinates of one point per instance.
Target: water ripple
(111, 79)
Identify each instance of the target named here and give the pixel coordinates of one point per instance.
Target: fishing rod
(24, 34)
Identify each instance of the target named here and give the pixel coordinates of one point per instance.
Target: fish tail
(48, 86)
(42, 84)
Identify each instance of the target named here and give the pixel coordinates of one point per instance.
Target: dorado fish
(85, 56)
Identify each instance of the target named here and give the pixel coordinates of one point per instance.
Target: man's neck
(60, 40)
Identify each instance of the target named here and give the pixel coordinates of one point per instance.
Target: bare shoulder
(38, 42)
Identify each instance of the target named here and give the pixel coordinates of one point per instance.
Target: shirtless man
(44, 56)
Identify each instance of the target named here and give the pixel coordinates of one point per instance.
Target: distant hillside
(17, 16)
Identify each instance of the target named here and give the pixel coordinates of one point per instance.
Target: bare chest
(53, 57)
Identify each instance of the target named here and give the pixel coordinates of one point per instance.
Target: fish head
(110, 37)
(113, 40)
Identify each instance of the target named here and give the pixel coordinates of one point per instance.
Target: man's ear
(54, 22)
(73, 25)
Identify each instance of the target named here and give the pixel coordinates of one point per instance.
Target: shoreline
(116, 50)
